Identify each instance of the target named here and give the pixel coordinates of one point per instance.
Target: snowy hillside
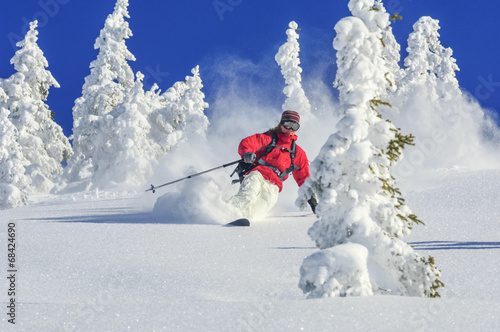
(104, 262)
(89, 250)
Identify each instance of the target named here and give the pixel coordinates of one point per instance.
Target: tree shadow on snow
(453, 245)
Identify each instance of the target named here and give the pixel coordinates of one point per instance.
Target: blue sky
(171, 37)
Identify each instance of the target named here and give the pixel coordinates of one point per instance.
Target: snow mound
(338, 271)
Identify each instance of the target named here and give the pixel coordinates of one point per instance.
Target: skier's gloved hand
(312, 203)
(249, 157)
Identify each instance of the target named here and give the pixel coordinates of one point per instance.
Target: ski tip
(239, 222)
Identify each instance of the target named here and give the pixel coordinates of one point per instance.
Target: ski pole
(153, 188)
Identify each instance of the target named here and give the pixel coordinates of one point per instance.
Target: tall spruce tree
(110, 75)
(193, 121)
(13, 181)
(428, 61)
(361, 214)
(448, 123)
(41, 139)
(288, 59)
(376, 18)
(120, 130)
(131, 154)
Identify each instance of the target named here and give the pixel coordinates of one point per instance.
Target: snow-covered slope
(103, 262)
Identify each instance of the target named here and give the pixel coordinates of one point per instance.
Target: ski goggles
(290, 125)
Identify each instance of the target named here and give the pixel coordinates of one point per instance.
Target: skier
(267, 160)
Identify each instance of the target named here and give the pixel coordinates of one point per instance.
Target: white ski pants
(256, 196)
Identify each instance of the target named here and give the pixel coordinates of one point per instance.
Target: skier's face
(289, 132)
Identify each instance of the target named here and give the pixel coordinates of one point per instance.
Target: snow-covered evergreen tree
(358, 201)
(41, 139)
(120, 131)
(288, 59)
(13, 181)
(130, 154)
(376, 18)
(193, 120)
(103, 90)
(431, 102)
(163, 118)
(428, 60)
(182, 113)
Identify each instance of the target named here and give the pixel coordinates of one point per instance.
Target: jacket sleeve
(300, 175)
(253, 143)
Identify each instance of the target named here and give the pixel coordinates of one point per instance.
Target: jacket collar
(286, 138)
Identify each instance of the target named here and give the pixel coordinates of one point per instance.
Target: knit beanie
(290, 116)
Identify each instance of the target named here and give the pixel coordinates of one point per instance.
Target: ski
(239, 222)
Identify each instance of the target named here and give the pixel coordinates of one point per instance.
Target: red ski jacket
(277, 157)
